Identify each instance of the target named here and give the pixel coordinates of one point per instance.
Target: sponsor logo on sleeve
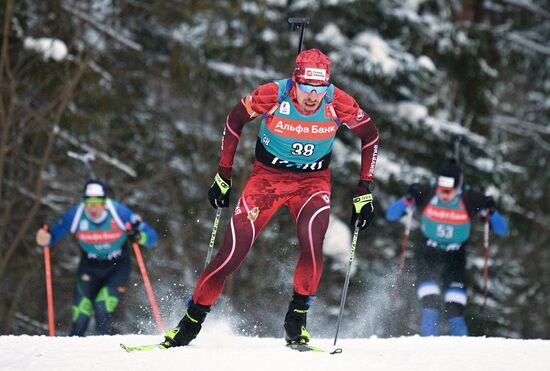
(373, 161)
(253, 214)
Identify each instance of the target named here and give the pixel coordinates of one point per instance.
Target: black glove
(219, 192)
(413, 191)
(489, 202)
(363, 208)
(363, 211)
(133, 233)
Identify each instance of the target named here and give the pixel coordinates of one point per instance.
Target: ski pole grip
(297, 22)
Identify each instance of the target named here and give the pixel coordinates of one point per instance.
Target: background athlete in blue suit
(447, 210)
(100, 227)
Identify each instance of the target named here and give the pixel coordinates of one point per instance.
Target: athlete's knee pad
(456, 294)
(455, 300)
(109, 300)
(429, 293)
(83, 307)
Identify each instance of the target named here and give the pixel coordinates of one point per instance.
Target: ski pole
(299, 23)
(457, 141)
(485, 257)
(404, 245)
(346, 283)
(49, 291)
(148, 287)
(213, 236)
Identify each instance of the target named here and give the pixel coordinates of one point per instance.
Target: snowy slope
(217, 349)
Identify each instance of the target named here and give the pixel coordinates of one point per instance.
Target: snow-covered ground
(217, 349)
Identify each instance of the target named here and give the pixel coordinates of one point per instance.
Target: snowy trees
(147, 86)
(32, 106)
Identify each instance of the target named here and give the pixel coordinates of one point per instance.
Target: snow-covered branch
(523, 41)
(525, 125)
(527, 5)
(106, 30)
(97, 68)
(104, 156)
(517, 129)
(48, 200)
(233, 70)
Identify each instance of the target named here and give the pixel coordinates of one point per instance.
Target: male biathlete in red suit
(300, 117)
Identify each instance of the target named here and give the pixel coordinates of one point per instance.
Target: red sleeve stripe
(371, 143)
(358, 124)
(231, 130)
(362, 122)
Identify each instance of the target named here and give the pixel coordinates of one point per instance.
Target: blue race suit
(440, 259)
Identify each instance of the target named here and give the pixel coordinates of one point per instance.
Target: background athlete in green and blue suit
(100, 226)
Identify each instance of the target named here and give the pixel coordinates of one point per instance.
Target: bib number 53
(444, 231)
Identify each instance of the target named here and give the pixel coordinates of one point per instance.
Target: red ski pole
(485, 257)
(49, 291)
(148, 287)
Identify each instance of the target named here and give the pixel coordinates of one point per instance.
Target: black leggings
(444, 269)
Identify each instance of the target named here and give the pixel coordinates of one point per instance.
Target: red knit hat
(312, 67)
